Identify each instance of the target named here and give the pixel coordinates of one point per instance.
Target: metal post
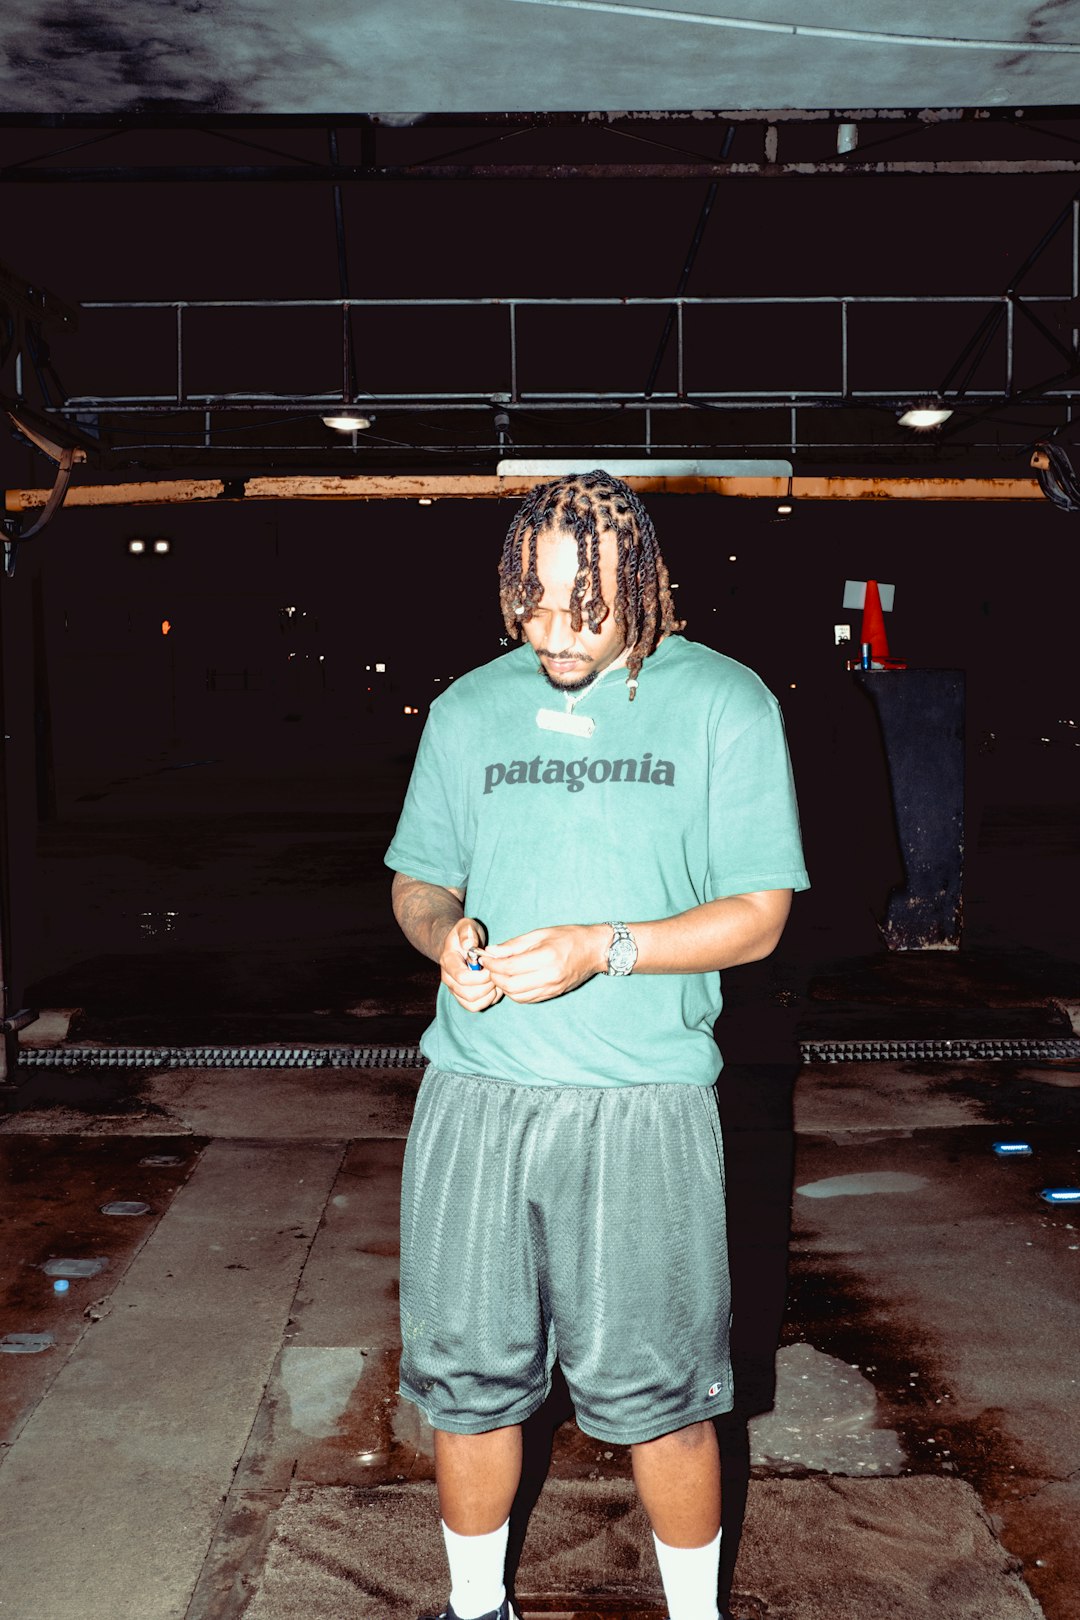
(346, 391)
(843, 348)
(9, 1042)
(179, 351)
(513, 353)
(1075, 287)
(681, 390)
(794, 429)
(349, 385)
(688, 265)
(1009, 319)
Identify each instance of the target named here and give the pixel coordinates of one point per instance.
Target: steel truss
(510, 385)
(995, 307)
(189, 426)
(771, 144)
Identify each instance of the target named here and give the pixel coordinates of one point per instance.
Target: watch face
(622, 956)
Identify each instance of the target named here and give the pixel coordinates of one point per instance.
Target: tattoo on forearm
(425, 914)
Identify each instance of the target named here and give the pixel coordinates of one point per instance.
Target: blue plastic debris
(1061, 1195)
(1011, 1150)
(61, 1285)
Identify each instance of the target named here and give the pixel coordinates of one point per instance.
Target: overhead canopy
(512, 55)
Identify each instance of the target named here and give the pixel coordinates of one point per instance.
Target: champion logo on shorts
(714, 1389)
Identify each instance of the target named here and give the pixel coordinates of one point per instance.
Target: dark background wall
(982, 587)
(126, 804)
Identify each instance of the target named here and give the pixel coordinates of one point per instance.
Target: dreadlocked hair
(588, 506)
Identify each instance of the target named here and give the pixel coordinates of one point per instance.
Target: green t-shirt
(683, 796)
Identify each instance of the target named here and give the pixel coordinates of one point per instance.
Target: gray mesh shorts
(585, 1223)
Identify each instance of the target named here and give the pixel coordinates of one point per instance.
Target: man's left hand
(547, 962)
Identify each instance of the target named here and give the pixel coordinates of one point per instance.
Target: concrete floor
(219, 1401)
(211, 1429)
(222, 1392)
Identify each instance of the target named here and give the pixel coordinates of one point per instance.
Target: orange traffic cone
(873, 624)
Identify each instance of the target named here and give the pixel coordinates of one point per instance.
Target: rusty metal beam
(485, 486)
(56, 494)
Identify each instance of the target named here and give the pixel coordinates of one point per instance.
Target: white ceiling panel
(332, 56)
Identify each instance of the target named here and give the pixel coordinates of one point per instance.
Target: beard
(579, 685)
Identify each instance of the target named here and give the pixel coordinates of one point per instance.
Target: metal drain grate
(221, 1057)
(1042, 1050)
(409, 1057)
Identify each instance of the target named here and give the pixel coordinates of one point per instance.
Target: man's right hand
(472, 988)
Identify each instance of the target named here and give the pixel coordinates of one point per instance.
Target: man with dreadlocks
(563, 1182)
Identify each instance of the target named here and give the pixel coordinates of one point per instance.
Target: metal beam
(485, 486)
(1055, 391)
(400, 174)
(156, 118)
(46, 426)
(43, 442)
(506, 367)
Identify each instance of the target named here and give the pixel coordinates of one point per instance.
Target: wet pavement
(931, 1314)
(213, 1430)
(58, 1190)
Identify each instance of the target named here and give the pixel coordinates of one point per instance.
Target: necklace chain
(571, 699)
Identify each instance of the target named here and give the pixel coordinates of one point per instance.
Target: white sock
(690, 1576)
(477, 1564)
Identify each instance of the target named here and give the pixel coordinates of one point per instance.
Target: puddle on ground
(861, 1184)
(1068, 1078)
(26, 1344)
(839, 1314)
(75, 1268)
(319, 1382)
(825, 1419)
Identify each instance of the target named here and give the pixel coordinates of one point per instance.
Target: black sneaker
(505, 1611)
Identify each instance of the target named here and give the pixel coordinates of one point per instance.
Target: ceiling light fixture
(924, 414)
(348, 421)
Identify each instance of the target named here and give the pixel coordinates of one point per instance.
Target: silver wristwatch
(622, 952)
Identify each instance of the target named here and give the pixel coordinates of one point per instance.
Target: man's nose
(561, 633)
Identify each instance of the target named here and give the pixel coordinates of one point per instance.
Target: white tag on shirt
(577, 725)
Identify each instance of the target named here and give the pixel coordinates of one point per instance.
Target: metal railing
(508, 386)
